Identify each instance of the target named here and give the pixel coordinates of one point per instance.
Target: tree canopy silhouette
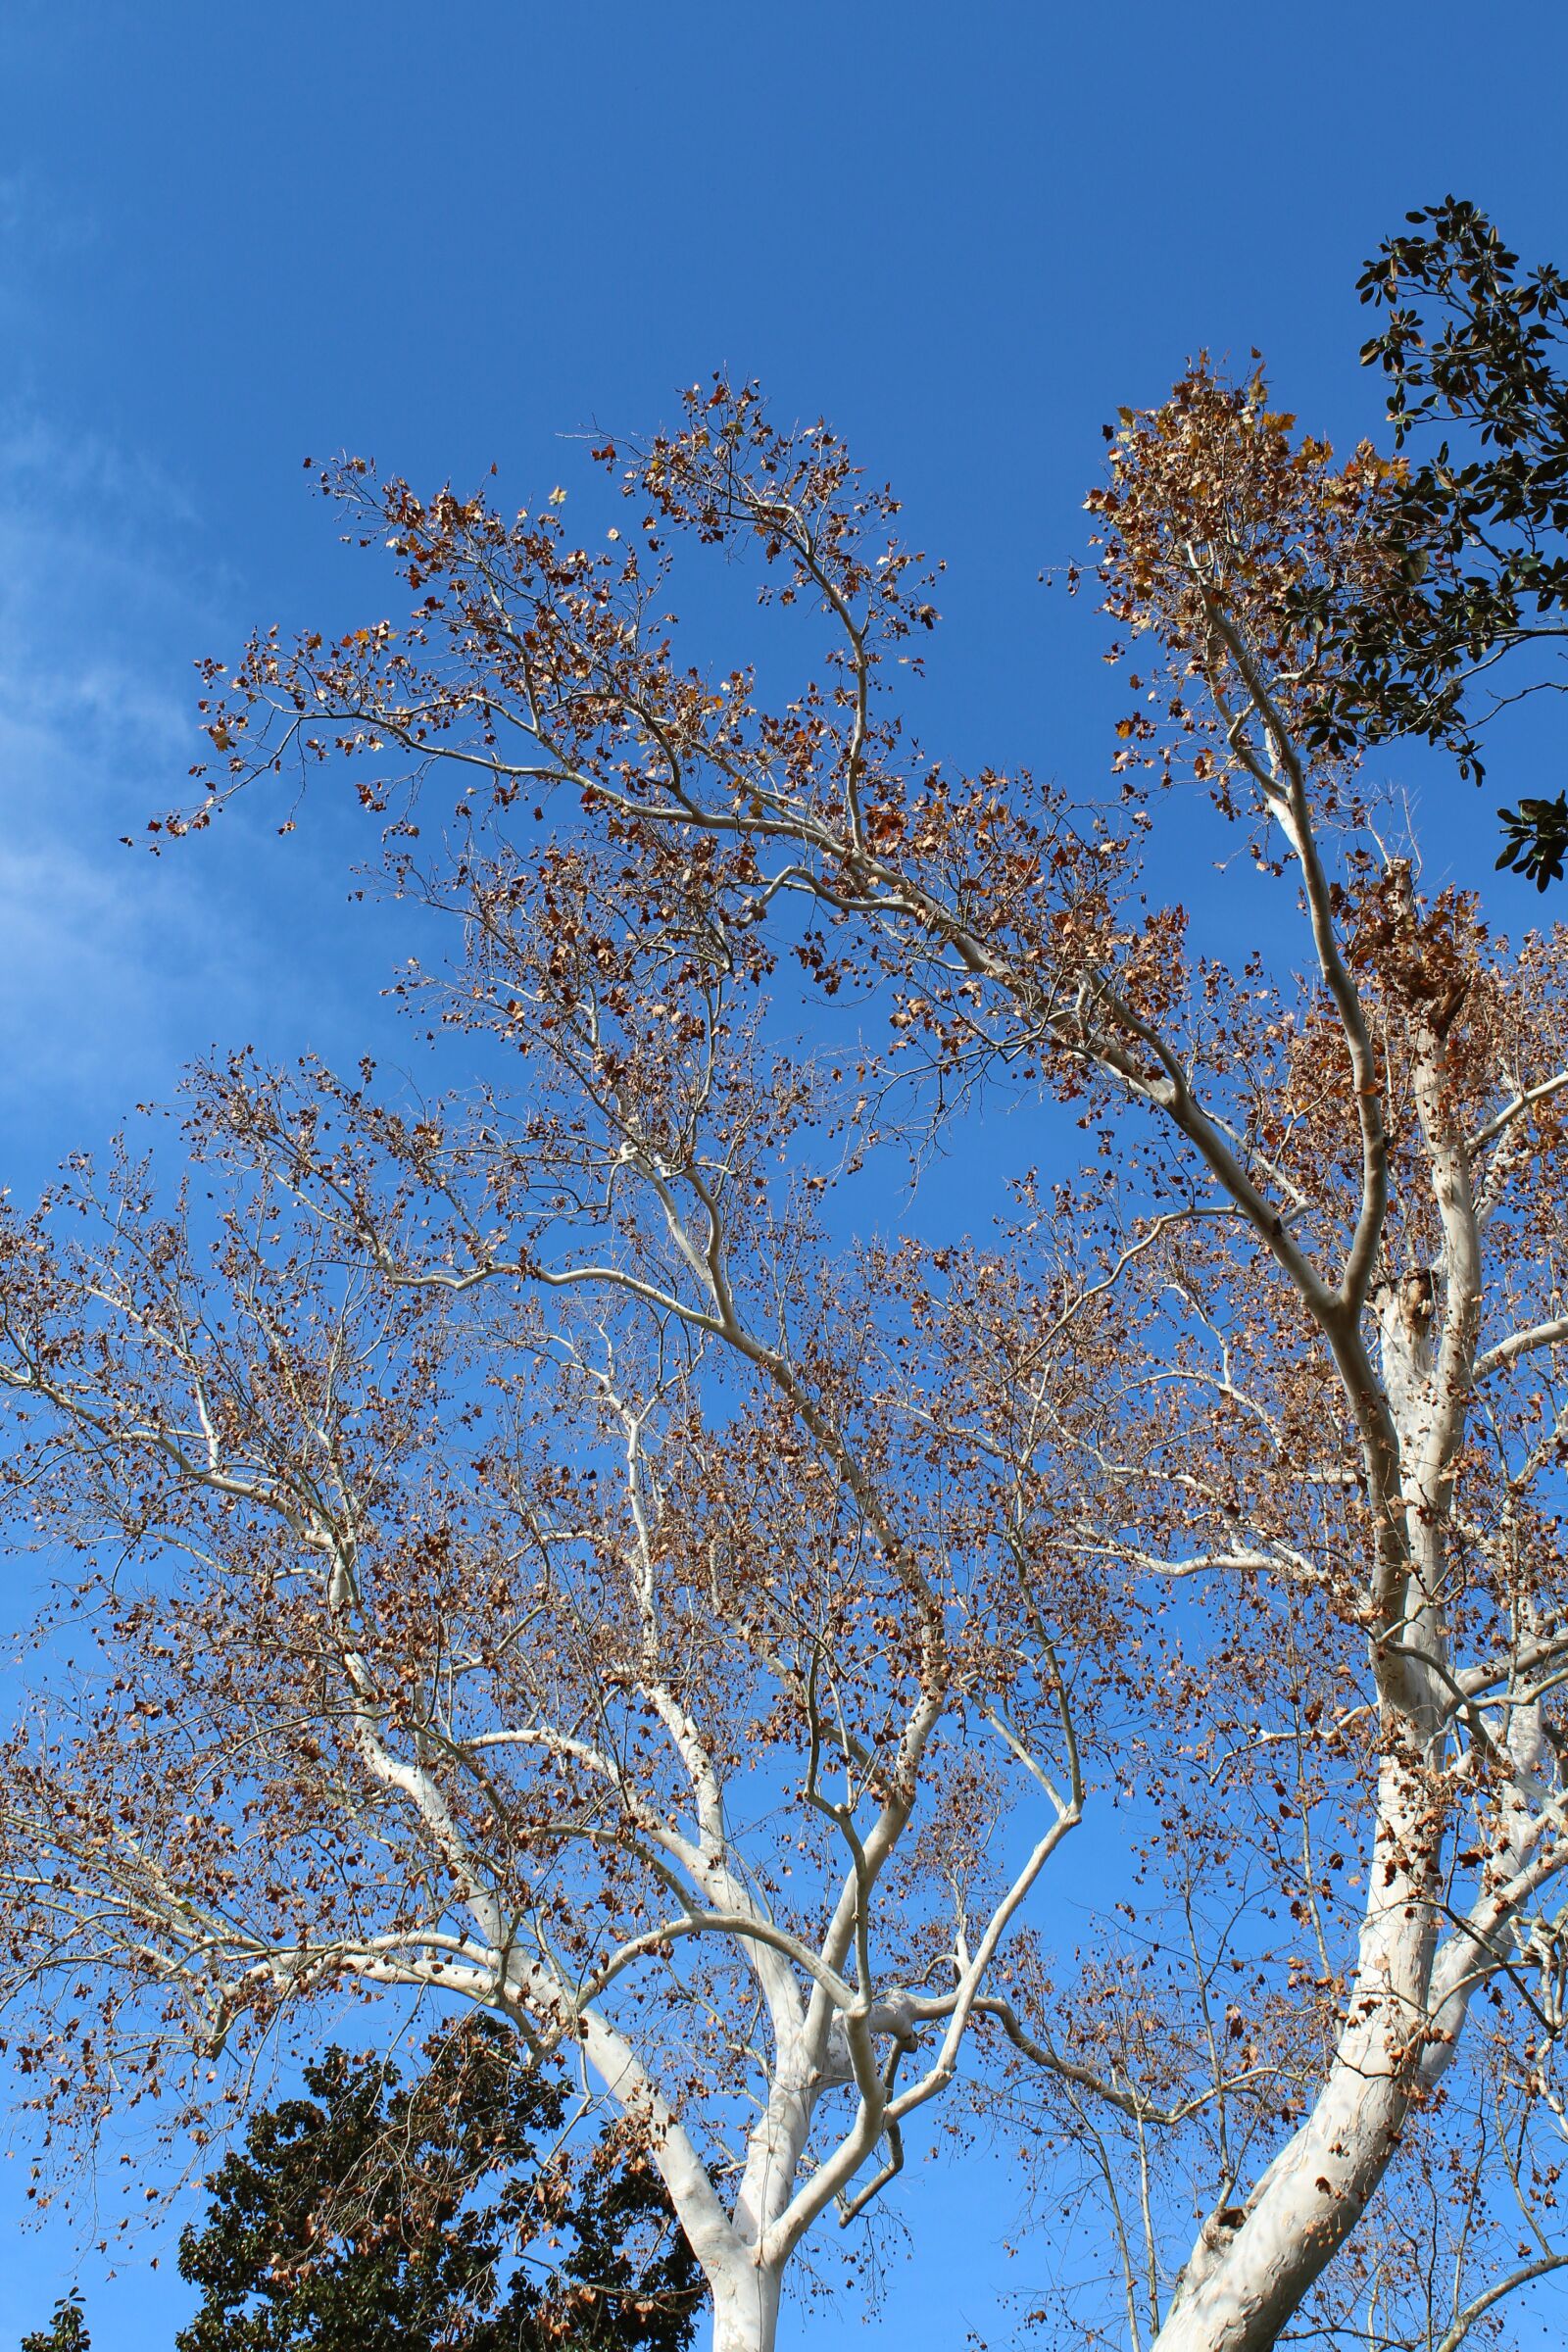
(1472, 346)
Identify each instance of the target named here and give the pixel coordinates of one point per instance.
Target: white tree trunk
(1249, 2273)
(745, 2299)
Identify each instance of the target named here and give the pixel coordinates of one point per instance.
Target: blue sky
(448, 235)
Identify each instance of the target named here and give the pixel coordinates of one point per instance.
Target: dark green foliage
(376, 2217)
(66, 2334)
(1536, 839)
(1479, 534)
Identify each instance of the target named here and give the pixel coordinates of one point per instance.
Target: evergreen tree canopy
(378, 2216)
(66, 2333)
(1478, 530)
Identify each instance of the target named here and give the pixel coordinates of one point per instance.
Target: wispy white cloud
(88, 979)
(116, 967)
(105, 956)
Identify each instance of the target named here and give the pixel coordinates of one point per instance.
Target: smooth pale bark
(1257, 2258)
(1247, 2276)
(746, 2310)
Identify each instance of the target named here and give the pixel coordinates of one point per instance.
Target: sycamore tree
(570, 1578)
(520, 1567)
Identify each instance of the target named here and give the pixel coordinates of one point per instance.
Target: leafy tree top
(440, 2213)
(1471, 346)
(66, 2330)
